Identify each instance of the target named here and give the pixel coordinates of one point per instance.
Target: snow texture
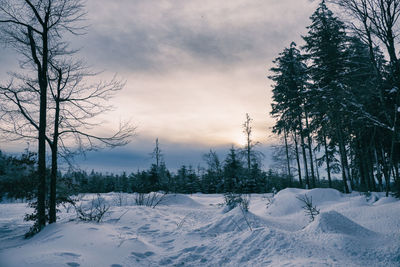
(194, 230)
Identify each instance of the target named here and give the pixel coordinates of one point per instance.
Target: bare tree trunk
(53, 185)
(42, 78)
(54, 156)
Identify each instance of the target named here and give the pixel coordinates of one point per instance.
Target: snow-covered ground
(194, 230)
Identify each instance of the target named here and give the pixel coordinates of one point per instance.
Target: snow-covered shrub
(270, 201)
(120, 199)
(310, 210)
(94, 211)
(233, 200)
(149, 200)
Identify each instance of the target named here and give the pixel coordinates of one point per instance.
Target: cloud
(192, 68)
(163, 35)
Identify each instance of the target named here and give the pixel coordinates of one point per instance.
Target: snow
(194, 230)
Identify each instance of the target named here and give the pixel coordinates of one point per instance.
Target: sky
(193, 69)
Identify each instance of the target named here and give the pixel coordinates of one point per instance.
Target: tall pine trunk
(309, 140)
(297, 158)
(328, 166)
(316, 167)
(303, 149)
(287, 155)
(343, 160)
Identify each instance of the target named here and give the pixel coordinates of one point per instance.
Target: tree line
(240, 172)
(18, 178)
(336, 98)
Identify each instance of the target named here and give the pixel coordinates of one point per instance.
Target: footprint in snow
(68, 254)
(190, 249)
(201, 249)
(144, 227)
(142, 255)
(73, 264)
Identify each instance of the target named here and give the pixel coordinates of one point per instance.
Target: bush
(310, 210)
(150, 199)
(233, 200)
(120, 199)
(95, 211)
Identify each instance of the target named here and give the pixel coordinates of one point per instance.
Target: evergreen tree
(212, 180)
(233, 172)
(326, 47)
(289, 92)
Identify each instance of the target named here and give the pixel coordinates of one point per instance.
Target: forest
(338, 95)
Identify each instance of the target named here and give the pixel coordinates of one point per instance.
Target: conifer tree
(233, 170)
(290, 78)
(326, 47)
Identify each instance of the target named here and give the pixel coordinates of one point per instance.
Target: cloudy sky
(193, 69)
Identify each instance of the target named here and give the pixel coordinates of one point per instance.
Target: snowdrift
(285, 201)
(333, 222)
(234, 220)
(186, 230)
(180, 200)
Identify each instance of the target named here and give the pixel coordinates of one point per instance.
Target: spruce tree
(289, 91)
(326, 47)
(233, 171)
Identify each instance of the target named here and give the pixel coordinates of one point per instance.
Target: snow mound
(179, 200)
(285, 201)
(333, 222)
(385, 200)
(234, 220)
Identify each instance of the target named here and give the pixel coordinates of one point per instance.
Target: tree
(290, 77)
(157, 154)
(377, 21)
(326, 44)
(71, 103)
(249, 151)
(35, 30)
(213, 178)
(251, 155)
(233, 170)
(75, 105)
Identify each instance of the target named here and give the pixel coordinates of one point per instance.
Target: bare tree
(35, 28)
(249, 151)
(60, 106)
(72, 107)
(157, 155)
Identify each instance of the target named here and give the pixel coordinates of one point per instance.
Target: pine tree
(212, 180)
(289, 91)
(326, 47)
(233, 171)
